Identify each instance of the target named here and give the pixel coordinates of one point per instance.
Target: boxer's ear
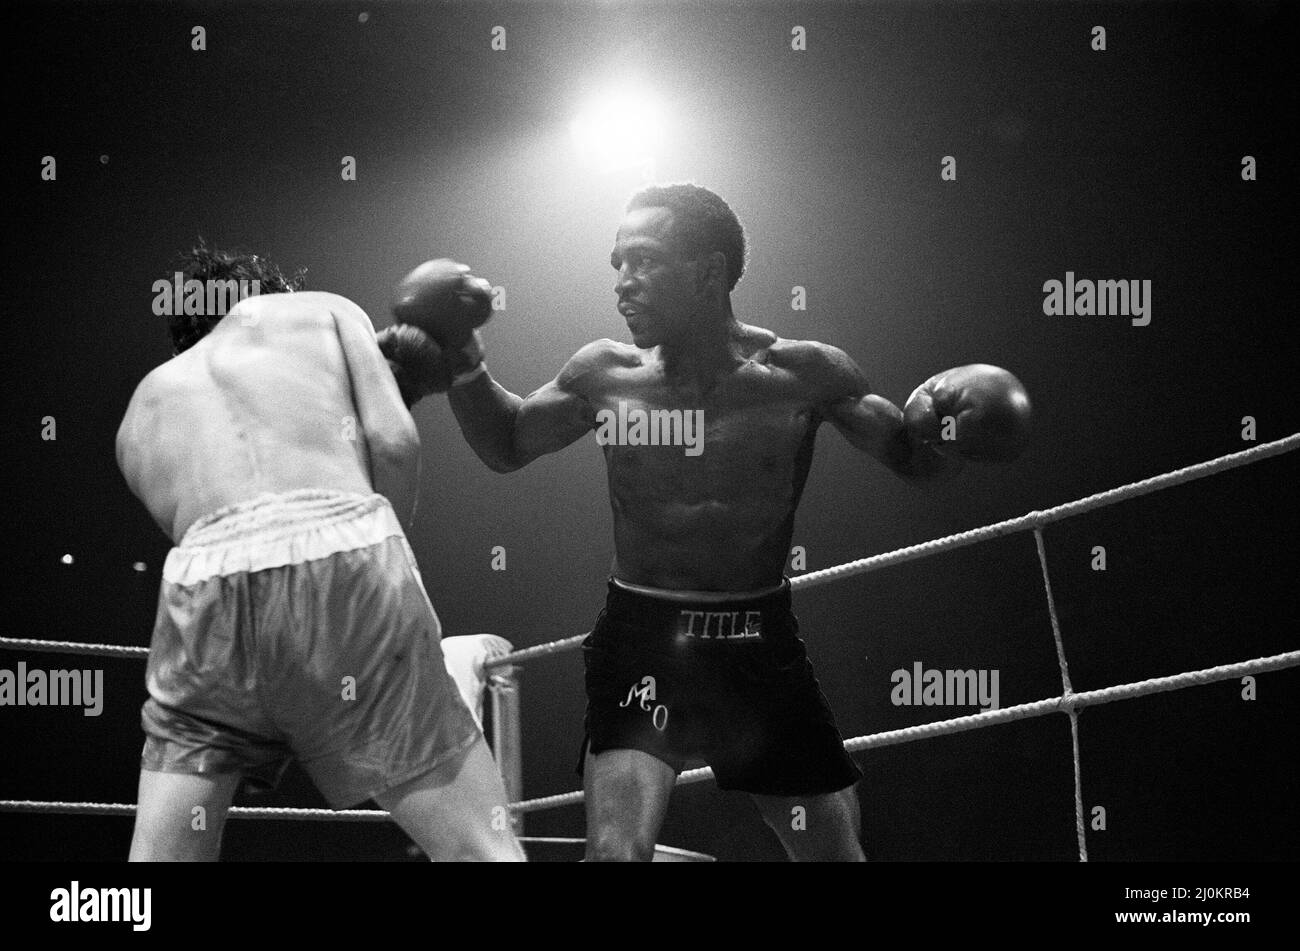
(711, 269)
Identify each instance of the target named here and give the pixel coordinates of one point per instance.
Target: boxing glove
(445, 300)
(417, 362)
(980, 411)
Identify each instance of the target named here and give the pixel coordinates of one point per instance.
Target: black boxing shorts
(722, 681)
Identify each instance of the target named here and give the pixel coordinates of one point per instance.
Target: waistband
(704, 617)
(279, 528)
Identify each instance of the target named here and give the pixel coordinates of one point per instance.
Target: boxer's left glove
(978, 411)
(417, 362)
(445, 300)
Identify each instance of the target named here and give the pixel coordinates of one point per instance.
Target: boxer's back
(262, 404)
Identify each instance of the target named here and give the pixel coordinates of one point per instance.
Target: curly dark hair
(202, 263)
(703, 223)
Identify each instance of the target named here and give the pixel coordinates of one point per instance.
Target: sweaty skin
(722, 520)
(716, 521)
(288, 391)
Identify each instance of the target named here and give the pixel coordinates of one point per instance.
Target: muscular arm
(507, 431)
(874, 424)
(392, 441)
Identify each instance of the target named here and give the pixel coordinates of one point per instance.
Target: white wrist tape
(460, 379)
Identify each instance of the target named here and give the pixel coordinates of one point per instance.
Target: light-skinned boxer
(277, 451)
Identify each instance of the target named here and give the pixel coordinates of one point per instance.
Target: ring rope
(1067, 510)
(976, 721)
(540, 650)
(962, 539)
(861, 566)
(72, 647)
(238, 812)
(1069, 702)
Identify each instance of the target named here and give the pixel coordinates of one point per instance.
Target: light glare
(619, 129)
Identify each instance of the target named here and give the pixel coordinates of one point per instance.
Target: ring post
(503, 684)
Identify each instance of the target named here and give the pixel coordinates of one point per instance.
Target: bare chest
(750, 431)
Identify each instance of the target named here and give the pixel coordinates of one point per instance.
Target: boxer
(696, 656)
(276, 451)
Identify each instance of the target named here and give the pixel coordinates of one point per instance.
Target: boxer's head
(679, 252)
(204, 264)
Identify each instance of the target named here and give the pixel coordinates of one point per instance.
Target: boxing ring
(502, 674)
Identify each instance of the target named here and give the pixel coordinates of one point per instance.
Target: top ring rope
(848, 569)
(1054, 514)
(961, 539)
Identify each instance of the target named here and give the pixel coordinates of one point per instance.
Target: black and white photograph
(627, 431)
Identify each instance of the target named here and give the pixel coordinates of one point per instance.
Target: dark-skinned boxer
(696, 656)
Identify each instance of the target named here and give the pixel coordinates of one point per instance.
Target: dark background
(1115, 164)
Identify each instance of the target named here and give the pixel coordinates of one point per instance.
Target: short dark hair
(703, 223)
(202, 263)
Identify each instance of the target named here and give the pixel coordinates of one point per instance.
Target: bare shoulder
(321, 302)
(595, 361)
(160, 383)
(160, 379)
(820, 364)
(149, 393)
(611, 353)
(326, 299)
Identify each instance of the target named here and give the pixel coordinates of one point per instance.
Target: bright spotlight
(618, 129)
